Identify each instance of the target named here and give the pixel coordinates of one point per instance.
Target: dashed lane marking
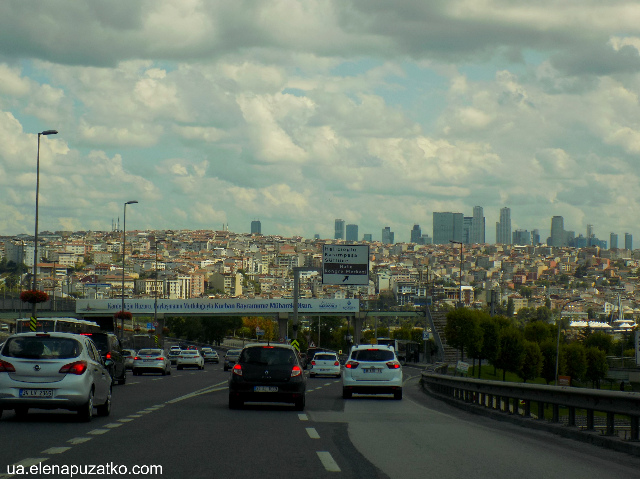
(97, 432)
(79, 440)
(113, 425)
(303, 417)
(313, 434)
(125, 419)
(327, 461)
(55, 450)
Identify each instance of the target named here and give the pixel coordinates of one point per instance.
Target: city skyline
(376, 116)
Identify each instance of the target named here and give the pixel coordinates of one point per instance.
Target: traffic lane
(198, 436)
(456, 444)
(49, 427)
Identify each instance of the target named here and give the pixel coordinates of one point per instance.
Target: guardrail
(511, 398)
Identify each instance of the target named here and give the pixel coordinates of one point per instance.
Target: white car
(53, 371)
(372, 369)
(325, 363)
(152, 360)
(190, 358)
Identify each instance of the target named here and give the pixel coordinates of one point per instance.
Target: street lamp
(460, 243)
(35, 236)
(124, 247)
(558, 323)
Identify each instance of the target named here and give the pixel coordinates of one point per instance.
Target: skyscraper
(416, 234)
(628, 241)
(447, 227)
(557, 231)
(256, 227)
(521, 237)
(352, 233)
(339, 227)
(613, 241)
(503, 227)
(535, 237)
(477, 232)
(387, 235)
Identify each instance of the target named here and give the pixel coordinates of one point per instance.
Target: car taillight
(136, 358)
(337, 363)
(160, 359)
(313, 363)
(108, 356)
(393, 365)
(237, 370)
(6, 367)
(296, 371)
(78, 367)
(351, 364)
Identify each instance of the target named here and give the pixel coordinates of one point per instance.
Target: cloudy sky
(297, 112)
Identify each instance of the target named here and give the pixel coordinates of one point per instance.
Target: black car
(112, 354)
(267, 373)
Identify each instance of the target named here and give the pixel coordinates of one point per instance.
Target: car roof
(270, 345)
(372, 346)
(56, 334)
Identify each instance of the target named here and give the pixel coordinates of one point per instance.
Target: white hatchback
(372, 369)
(325, 364)
(190, 358)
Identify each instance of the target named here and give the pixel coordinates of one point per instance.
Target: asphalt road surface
(182, 424)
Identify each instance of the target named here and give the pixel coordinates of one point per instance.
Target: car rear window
(267, 356)
(34, 347)
(101, 340)
(373, 355)
(149, 352)
(325, 357)
(189, 353)
(128, 352)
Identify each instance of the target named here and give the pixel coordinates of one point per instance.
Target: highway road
(182, 423)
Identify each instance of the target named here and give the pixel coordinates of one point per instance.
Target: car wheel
(235, 403)
(21, 411)
(339, 375)
(312, 375)
(179, 368)
(397, 394)
(163, 372)
(346, 394)
(123, 379)
(105, 409)
(86, 410)
(299, 404)
(226, 368)
(169, 371)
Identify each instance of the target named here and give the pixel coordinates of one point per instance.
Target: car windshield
(149, 352)
(35, 347)
(373, 355)
(233, 353)
(267, 356)
(325, 357)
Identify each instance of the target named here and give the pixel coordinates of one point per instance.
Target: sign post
(345, 264)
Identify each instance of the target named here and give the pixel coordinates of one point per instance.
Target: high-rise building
(535, 237)
(416, 234)
(352, 233)
(503, 227)
(339, 226)
(557, 232)
(521, 237)
(447, 227)
(367, 237)
(590, 233)
(613, 240)
(256, 227)
(387, 235)
(628, 241)
(477, 233)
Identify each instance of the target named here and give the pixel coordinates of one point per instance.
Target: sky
(212, 114)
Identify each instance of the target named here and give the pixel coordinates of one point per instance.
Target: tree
(490, 344)
(548, 350)
(511, 351)
(538, 332)
(576, 361)
(600, 340)
(462, 329)
(597, 366)
(510, 307)
(543, 313)
(532, 362)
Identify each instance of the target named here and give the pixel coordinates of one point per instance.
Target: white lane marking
(125, 419)
(113, 425)
(55, 450)
(134, 415)
(313, 434)
(26, 464)
(327, 461)
(319, 387)
(327, 384)
(157, 379)
(97, 432)
(144, 411)
(79, 440)
(303, 417)
(206, 390)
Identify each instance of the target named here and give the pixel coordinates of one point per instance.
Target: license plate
(372, 370)
(36, 393)
(265, 389)
(147, 360)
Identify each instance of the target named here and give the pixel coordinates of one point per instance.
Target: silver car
(128, 354)
(151, 360)
(53, 371)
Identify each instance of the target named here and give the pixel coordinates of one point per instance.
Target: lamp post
(124, 247)
(574, 300)
(155, 290)
(35, 236)
(460, 243)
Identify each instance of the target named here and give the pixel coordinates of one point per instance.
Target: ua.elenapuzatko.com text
(77, 470)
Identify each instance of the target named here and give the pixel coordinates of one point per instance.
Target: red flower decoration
(123, 315)
(33, 296)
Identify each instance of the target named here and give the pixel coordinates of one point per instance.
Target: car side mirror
(108, 362)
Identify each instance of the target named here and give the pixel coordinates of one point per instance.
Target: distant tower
(477, 232)
(447, 227)
(613, 240)
(628, 241)
(387, 235)
(352, 232)
(416, 234)
(256, 227)
(339, 229)
(503, 227)
(557, 231)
